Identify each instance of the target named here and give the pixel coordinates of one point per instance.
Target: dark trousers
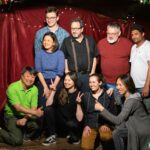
(47, 122)
(119, 136)
(65, 126)
(83, 82)
(14, 134)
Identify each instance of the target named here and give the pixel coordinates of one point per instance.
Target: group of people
(71, 99)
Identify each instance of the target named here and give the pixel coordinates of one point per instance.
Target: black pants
(47, 122)
(119, 137)
(65, 126)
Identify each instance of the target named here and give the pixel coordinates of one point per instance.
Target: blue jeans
(117, 96)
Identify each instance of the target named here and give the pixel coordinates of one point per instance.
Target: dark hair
(55, 40)
(138, 27)
(51, 9)
(63, 96)
(114, 25)
(128, 82)
(78, 20)
(29, 69)
(99, 77)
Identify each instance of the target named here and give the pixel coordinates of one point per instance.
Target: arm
(145, 91)
(66, 66)
(43, 82)
(127, 109)
(37, 43)
(35, 112)
(52, 91)
(94, 66)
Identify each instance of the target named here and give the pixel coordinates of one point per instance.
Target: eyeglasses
(51, 18)
(76, 28)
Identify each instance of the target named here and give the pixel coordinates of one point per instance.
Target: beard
(111, 41)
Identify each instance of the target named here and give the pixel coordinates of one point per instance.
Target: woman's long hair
(128, 82)
(63, 96)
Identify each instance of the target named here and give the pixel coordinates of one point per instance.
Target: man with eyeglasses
(80, 54)
(52, 18)
(114, 53)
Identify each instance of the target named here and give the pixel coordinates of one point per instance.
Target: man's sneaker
(73, 140)
(50, 140)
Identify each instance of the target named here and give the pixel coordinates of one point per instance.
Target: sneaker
(73, 140)
(50, 140)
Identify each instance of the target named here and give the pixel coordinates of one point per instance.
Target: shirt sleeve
(61, 64)
(38, 64)
(94, 47)
(127, 110)
(37, 43)
(12, 95)
(64, 48)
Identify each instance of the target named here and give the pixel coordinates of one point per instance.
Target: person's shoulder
(14, 86)
(42, 30)
(103, 40)
(34, 87)
(124, 39)
(147, 43)
(63, 30)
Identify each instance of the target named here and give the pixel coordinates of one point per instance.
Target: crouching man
(21, 108)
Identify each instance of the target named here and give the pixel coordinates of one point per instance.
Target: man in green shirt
(21, 108)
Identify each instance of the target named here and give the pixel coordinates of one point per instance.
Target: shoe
(50, 140)
(68, 136)
(73, 140)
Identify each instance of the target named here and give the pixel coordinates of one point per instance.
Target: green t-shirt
(17, 95)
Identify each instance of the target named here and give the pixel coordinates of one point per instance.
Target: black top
(68, 110)
(81, 53)
(92, 117)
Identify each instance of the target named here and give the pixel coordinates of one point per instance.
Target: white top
(139, 63)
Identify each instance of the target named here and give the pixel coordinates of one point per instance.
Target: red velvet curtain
(17, 31)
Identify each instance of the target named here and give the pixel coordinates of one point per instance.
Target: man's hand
(39, 112)
(145, 91)
(21, 122)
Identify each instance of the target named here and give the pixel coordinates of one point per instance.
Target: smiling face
(51, 19)
(112, 34)
(48, 42)
(27, 79)
(121, 87)
(137, 37)
(76, 30)
(94, 84)
(69, 83)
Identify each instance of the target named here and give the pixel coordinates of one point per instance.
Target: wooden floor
(36, 145)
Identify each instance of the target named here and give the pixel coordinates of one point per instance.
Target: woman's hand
(46, 92)
(52, 86)
(86, 131)
(104, 128)
(98, 106)
(79, 96)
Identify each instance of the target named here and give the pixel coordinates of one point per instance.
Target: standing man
(140, 62)
(114, 53)
(21, 108)
(52, 18)
(80, 54)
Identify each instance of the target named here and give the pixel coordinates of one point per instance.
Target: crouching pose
(95, 125)
(132, 122)
(21, 109)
